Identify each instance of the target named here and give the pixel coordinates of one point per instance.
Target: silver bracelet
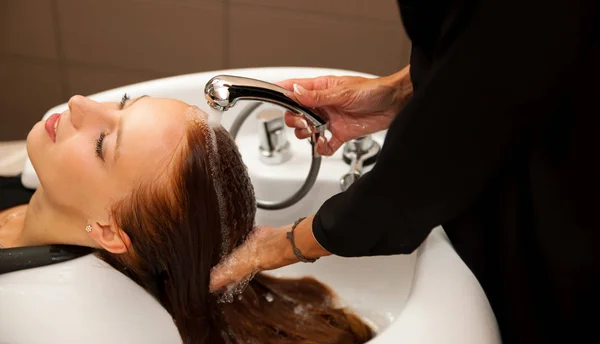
(290, 236)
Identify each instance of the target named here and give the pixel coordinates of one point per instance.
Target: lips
(51, 124)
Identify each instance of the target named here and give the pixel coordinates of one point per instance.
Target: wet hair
(177, 228)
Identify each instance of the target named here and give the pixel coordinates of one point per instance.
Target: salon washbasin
(429, 296)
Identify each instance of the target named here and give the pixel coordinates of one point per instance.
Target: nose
(89, 113)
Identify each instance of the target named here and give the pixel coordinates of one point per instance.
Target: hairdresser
(498, 144)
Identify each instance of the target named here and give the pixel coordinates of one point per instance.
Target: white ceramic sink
(429, 296)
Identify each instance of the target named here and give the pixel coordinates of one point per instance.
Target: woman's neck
(45, 225)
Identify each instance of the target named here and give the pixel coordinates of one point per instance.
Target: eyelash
(123, 101)
(99, 145)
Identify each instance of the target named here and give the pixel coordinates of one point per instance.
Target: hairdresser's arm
(266, 248)
(461, 126)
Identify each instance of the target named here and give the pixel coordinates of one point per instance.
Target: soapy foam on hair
(234, 172)
(226, 168)
(235, 289)
(215, 171)
(201, 118)
(196, 115)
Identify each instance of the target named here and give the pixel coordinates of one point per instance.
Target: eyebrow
(120, 130)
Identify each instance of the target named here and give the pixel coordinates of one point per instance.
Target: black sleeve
(13, 193)
(501, 75)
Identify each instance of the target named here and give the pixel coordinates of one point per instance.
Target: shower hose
(315, 165)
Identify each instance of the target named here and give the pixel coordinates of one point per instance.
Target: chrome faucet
(358, 153)
(223, 91)
(274, 147)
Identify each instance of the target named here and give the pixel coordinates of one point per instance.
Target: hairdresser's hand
(266, 248)
(354, 106)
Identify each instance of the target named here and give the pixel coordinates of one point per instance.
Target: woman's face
(101, 150)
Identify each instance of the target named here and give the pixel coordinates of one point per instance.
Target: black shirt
(13, 193)
(499, 145)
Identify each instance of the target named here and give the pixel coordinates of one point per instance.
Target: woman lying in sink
(162, 197)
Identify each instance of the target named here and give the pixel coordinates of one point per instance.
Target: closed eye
(99, 141)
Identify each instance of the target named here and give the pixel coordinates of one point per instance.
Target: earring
(88, 228)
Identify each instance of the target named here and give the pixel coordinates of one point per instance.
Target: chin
(35, 142)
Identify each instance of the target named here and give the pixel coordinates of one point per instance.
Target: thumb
(318, 98)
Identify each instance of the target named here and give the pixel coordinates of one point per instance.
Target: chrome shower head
(223, 91)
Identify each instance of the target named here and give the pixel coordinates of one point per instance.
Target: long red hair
(176, 231)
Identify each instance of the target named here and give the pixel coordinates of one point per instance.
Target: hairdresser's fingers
(258, 252)
(289, 83)
(333, 144)
(318, 83)
(234, 268)
(302, 134)
(328, 147)
(302, 129)
(322, 146)
(294, 121)
(223, 276)
(219, 279)
(334, 96)
(290, 119)
(262, 250)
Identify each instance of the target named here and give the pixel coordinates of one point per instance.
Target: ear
(110, 237)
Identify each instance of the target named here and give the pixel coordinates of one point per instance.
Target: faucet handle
(349, 179)
(358, 153)
(274, 147)
(360, 146)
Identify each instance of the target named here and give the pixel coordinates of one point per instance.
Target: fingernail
(299, 89)
(322, 139)
(304, 125)
(301, 123)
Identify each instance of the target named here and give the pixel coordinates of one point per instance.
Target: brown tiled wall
(52, 49)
